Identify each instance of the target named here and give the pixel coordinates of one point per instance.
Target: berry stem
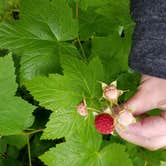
(93, 109)
(110, 105)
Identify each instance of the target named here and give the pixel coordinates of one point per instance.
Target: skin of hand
(150, 131)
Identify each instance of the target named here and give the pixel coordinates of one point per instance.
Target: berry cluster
(105, 120)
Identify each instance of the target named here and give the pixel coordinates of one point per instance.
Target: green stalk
(82, 49)
(93, 109)
(29, 151)
(76, 9)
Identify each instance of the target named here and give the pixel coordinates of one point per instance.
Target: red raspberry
(104, 123)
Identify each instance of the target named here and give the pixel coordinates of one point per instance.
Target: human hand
(150, 131)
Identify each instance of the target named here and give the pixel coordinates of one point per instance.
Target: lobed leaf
(15, 113)
(62, 93)
(37, 37)
(87, 150)
(113, 52)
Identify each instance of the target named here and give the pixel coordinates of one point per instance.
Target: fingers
(149, 126)
(152, 143)
(136, 104)
(139, 104)
(150, 94)
(163, 114)
(150, 132)
(162, 105)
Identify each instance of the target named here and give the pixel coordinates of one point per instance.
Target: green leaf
(10, 161)
(38, 146)
(163, 163)
(113, 52)
(54, 92)
(118, 12)
(152, 158)
(41, 63)
(58, 92)
(7, 77)
(85, 147)
(84, 76)
(84, 4)
(163, 155)
(3, 146)
(135, 154)
(38, 36)
(62, 123)
(104, 19)
(32, 65)
(94, 24)
(41, 21)
(55, 14)
(86, 142)
(21, 36)
(63, 93)
(115, 154)
(12, 152)
(12, 122)
(16, 140)
(3, 7)
(128, 81)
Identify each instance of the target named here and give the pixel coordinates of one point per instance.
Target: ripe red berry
(81, 109)
(104, 123)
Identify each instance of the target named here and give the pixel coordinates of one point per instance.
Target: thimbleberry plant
(58, 63)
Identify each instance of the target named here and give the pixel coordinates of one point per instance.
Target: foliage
(54, 54)
(10, 105)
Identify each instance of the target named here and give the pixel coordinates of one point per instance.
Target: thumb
(139, 103)
(150, 94)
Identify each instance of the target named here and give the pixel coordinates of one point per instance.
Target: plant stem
(110, 105)
(29, 151)
(32, 131)
(82, 49)
(35, 131)
(76, 9)
(93, 109)
(146, 163)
